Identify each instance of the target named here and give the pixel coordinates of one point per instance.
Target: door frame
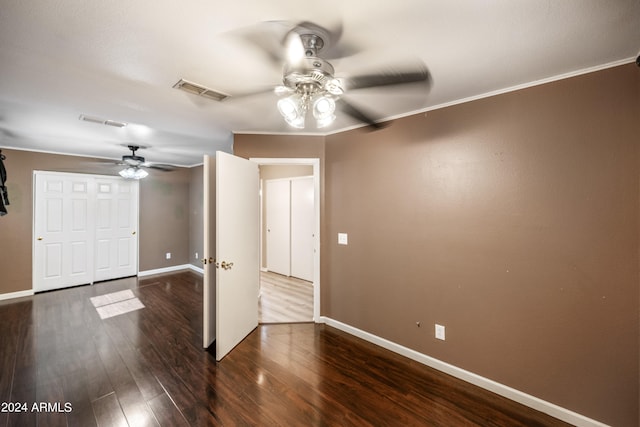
(315, 162)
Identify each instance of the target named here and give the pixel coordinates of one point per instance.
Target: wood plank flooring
(147, 368)
(284, 299)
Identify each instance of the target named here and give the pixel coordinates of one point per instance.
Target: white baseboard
(495, 387)
(171, 269)
(196, 269)
(164, 270)
(18, 294)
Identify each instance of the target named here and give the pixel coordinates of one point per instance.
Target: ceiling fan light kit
(310, 84)
(323, 110)
(133, 172)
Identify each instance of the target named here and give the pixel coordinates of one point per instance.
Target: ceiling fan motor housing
(309, 70)
(133, 160)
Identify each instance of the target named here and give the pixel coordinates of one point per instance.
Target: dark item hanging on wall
(4, 195)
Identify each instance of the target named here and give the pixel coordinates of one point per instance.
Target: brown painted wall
(513, 221)
(164, 219)
(163, 226)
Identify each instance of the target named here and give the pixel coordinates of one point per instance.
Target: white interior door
(209, 282)
(63, 231)
(116, 238)
(237, 249)
(278, 217)
(302, 222)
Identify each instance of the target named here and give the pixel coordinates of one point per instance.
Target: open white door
(237, 250)
(209, 281)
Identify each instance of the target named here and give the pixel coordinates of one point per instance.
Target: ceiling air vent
(101, 121)
(199, 90)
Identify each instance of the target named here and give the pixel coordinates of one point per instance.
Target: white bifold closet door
(290, 218)
(278, 215)
(302, 220)
(84, 229)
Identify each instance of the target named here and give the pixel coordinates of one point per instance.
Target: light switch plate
(343, 239)
(440, 332)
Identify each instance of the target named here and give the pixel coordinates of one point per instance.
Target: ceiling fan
(135, 165)
(309, 85)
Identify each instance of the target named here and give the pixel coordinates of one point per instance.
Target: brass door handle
(133, 233)
(39, 237)
(226, 265)
(208, 261)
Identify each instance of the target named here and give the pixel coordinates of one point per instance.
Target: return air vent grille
(199, 90)
(101, 121)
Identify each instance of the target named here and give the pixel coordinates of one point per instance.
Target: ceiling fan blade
(269, 37)
(360, 115)
(256, 92)
(274, 38)
(294, 47)
(160, 167)
(388, 78)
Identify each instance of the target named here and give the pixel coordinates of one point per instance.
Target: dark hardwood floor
(147, 367)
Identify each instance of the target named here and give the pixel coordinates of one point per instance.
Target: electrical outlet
(196, 255)
(168, 255)
(440, 332)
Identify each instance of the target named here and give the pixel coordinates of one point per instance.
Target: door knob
(133, 233)
(39, 237)
(226, 265)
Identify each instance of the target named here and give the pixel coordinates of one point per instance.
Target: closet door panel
(302, 221)
(63, 239)
(116, 234)
(278, 217)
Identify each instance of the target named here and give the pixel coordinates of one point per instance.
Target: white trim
(19, 294)
(196, 269)
(285, 133)
(456, 101)
(485, 383)
(512, 88)
(165, 270)
(88, 156)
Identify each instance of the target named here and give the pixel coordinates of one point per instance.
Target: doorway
(277, 287)
(222, 189)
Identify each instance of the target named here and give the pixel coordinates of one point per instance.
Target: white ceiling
(119, 59)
